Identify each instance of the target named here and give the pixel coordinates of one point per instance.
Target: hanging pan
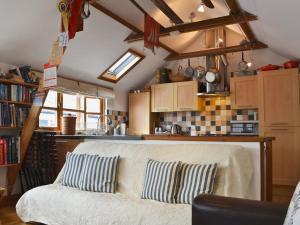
(189, 71)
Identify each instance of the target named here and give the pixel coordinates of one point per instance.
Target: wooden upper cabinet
(279, 93)
(285, 154)
(139, 113)
(172, 97)
(185, 96)
(244, 92)
(162, 97)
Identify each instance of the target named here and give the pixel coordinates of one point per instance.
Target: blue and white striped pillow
(73, 169)
(194, 180)
(161, 181)
(99, 174)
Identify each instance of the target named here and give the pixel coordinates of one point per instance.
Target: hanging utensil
(189, 71)
(85, 14)
(243, 65)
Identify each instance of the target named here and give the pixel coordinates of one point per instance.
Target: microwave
(244, 128)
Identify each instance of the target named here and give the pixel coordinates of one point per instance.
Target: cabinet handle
(185, 108)
(274, 129)
(279, 123)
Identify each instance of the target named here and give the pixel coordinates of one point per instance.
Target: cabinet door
(162, 97)
(285, 154)
(280, 98)
(244, 92)
(139, 113)
(185, 96)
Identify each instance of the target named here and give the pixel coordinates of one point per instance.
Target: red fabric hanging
(75, 20)
(151, 33)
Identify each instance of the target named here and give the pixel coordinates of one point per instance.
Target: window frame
(60, 111)
(130, 50)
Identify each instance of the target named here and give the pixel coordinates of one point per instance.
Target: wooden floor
(8, 216)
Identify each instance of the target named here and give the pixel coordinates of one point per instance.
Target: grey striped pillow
(161, 181)
(194, 180)
(99, 174)
(73, 169)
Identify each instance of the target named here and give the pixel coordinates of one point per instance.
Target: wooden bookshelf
(29, 85)
(9, 165)
(27, 104)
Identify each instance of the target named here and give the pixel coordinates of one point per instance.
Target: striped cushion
(73, 169)
(99, 174)
(194, 180)
(161, 181)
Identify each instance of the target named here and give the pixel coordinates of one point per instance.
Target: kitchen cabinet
(185, 96)
(141, 120)
(162, 97)
(285, 154)
(171, 97)
(279, 98)
(279, 112)
(63, 146)
(244, 92)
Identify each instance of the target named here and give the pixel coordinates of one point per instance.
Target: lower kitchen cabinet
(286, 154)
(63, 146)
(141, 120)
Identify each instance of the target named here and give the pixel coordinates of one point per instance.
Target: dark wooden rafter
(236, 9)
(167, 11)
(125, 23)
(217, 51)
(200, 25)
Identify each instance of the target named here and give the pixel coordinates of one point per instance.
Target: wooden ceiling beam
(163, 6)
(125, 23)
(200, 25)
(217, 51)
(236, 9)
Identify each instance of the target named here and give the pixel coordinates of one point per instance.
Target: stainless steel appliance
(244, 128)
(176, 129)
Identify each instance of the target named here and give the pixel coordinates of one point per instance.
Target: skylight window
(122, 66)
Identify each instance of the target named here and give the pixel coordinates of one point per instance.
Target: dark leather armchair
(216, 210)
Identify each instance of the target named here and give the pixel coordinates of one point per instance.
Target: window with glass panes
(88, 110)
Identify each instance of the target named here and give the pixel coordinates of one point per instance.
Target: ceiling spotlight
(201, 8)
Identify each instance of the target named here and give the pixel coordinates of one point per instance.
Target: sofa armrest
(216, 210)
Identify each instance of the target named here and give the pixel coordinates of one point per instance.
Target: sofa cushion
(73, 169)
(99, 174)
(293, 214)
(194, 180)
(161, 181)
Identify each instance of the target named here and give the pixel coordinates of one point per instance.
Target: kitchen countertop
(222, 138)
(103, 137)
(170, 137)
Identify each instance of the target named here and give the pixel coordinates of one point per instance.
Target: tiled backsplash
(214, 119)
(117, 116)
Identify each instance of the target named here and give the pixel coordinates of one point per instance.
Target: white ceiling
(27, 29)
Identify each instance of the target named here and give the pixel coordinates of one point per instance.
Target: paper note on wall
(50, 75)
(56, 54)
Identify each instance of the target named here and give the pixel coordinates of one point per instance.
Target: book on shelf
(17, 93)
(23, 72)
(9, 150)
(12, 115)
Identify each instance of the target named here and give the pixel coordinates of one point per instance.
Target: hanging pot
(177, 77)
(189, 71)
(243, 65)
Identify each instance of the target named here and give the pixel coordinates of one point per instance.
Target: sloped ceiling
(28, 28)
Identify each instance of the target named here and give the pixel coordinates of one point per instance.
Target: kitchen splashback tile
(215, 119)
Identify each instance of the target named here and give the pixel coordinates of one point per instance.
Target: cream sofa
(59, 205)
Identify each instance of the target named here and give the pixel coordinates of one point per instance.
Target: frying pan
(189, 71)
